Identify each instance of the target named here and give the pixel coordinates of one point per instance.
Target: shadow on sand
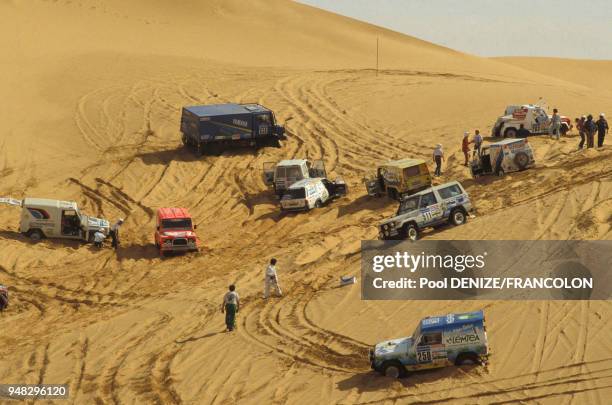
(373, 381)
(183, 154)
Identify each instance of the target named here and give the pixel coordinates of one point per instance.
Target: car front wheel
(393, 369)
(411, 232)
(458, 217)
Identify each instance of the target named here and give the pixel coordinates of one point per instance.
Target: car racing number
(424, 356)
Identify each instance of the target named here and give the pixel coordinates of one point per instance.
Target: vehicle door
(268, 173)
(430, 350)
(430, 210)
(324, 191)
(263, 124)
(70, 224)
(317, 169)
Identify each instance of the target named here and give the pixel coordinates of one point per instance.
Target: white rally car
(509, 155)
(534, 118)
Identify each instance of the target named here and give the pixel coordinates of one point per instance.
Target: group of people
(99, 237)
(587, 128)
(438, 153)
(231, 299)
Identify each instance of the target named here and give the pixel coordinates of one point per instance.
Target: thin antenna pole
(377, 56)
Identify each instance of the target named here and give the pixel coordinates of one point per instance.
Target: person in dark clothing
(589, 129)
(114, 233)
(602, 128)
(580, 128)
(522, 132)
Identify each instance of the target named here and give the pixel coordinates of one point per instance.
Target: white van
(307, 194)
(45, 218)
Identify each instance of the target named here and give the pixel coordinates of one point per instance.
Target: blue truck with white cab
(209, 129)
(438, 341)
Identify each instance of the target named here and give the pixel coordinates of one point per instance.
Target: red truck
(175, 231)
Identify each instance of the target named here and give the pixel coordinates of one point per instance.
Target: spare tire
(521, 159)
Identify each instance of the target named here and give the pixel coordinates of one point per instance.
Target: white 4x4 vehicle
(447, 202)
(438, 341)
(42, 218)
(509, 155)
(307, 194)
(534, 118)
(283, 174)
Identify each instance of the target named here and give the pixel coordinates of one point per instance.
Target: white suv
(436, 205)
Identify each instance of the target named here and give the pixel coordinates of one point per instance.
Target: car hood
(178, 234)
(392, 347)
(94, 223)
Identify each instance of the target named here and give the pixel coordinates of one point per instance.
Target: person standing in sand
(465, 147)
(590, 128)
(114, 233)
(231, 306)
(271, 280)
(477, 141)
(602, 128)
(438, 157)
(555, 125)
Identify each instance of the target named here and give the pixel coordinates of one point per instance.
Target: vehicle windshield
(176, 223)
(288, 172)
(409, 204)
(295, 193)
(416, 333)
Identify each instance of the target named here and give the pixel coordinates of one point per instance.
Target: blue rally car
(438, 341)
(210, 128)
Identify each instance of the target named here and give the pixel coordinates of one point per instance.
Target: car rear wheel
(393, 369)
(458, 217)
(466, 359)
(36, 235)
(318, 204)
(510, 133)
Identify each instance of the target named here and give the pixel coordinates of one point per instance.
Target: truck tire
(510, 133)
(318, 204)
(393, 369)
(466, 358)
(200, 149)
(185, 140)
(521, 160)
(36, 235)
(458, 217)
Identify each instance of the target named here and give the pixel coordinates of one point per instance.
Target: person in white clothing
(99, 239)
(271, 279)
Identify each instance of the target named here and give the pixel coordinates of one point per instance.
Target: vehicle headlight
(168, 242)
(191, 241)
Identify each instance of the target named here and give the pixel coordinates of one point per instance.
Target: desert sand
(91, 94)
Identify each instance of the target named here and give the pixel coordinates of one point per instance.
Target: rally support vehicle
(434, 206)
(534, 118)
(175, 231)
(211, 128)
(45, 218)
(283, 174)
(398, 178)
(307, 194)
(509, 155)
(439, 341)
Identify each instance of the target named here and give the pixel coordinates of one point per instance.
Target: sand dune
(93, 92)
